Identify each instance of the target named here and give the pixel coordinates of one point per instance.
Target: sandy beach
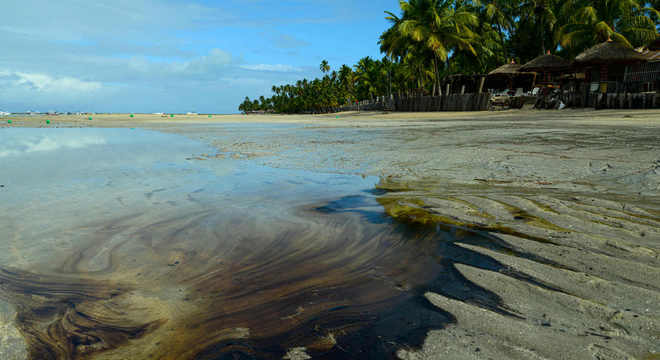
(569, 202)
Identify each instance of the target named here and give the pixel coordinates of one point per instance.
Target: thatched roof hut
(607, 53)
(547, 63)
(509, 76)
(506, 69)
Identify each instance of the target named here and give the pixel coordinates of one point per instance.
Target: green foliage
(429, 39)
(588, 22)
(327, 94)
(324, 67)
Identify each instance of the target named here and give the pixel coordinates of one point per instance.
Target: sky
(144, 56)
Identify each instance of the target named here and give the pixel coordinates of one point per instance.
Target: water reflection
(122, 248)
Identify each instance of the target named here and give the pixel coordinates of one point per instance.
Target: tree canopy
(429, 39)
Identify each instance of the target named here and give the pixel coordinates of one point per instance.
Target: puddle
(114, 246)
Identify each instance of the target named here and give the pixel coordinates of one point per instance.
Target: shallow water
(120, 243)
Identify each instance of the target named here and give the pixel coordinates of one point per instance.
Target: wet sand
(545, 227)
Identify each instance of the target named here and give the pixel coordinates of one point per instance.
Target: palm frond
(621, 39)
(587, 14)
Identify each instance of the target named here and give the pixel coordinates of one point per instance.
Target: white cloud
(46, 83)
(146, 55)
(47, 143)
(216, 59)
(272, 68)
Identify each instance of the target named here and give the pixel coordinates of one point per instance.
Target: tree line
(430, 39)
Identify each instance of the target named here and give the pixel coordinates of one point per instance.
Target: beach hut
(604, 65)
(549, 69)
(506, 70)
(645, 76)
(510, 77)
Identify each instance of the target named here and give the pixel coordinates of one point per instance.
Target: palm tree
(592, 21)
(534, 29)
(346, 81)
(365, 78)
(324, 67)
(392, 42)
(538, 19)
(439, 26)
(246, 106)
(500, 14)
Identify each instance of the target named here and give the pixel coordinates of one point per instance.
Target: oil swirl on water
(122, 243)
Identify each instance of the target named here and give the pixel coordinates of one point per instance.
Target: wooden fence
(378, 104)
(481, 102)
(454, 102)
(611, 100)
(627, 101)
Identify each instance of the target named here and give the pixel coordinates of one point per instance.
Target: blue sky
(173, 55)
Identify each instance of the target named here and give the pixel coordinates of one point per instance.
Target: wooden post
(603, 78)
(481, 84)
(462, 89)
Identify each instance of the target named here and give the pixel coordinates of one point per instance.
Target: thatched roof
(463, 77)
(609, 52)
(506, 69)
(651, 55)
(546, 62)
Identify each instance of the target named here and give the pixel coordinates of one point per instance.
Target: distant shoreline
(372, 118)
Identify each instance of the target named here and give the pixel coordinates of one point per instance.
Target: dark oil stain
(56, 319)
(344, 279)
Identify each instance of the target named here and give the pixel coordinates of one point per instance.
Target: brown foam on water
(220, 283)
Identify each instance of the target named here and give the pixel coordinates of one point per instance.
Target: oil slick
(159, 257)
(211, 283)
(68, 317)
